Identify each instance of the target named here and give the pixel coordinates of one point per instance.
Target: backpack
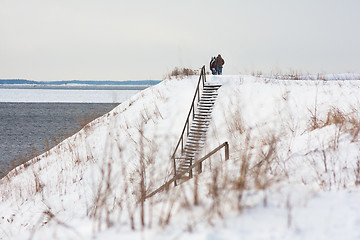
(213, 63)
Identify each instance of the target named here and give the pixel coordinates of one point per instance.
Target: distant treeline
(84, 82)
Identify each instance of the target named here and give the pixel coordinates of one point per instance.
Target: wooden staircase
(198, 129)
(193, 135)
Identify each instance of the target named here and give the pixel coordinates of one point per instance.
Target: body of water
(35, 118)
(28, 129)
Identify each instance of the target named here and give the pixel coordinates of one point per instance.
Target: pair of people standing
(216, 65)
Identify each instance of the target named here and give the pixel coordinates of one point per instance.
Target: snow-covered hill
(293, 172)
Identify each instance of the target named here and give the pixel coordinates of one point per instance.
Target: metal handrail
(196, 164)
(202, 78)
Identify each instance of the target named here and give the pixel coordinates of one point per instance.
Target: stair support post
(182, 144)
(200, 168)
(226, 151)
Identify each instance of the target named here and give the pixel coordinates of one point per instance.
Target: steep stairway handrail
(197, 163)
(202, 78)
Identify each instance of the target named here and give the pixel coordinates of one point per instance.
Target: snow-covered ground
(293, 172)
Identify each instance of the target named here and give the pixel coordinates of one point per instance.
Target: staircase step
(190, 158)
(189, 155)
(185, 169)
(197, 144)
(185, 166)
(188, 163)
(200, 120)
(206, 101)
(197, 129)
(210, 101)
(205, 107)
(210, 91)
(213, 91)
(195, 141)
(194, 145)
(208, 96)
(212, 86)
(204, 111)
(185, 154)
(197, 126)
(196, 135)
(202, 117)
(206, 104)
(196, 138)
(206, 114)
(190, 148)
(201, 123)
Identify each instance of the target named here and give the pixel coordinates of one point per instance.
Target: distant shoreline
(74, 87)
(73, 83)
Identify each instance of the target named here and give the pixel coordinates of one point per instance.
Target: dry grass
(345, 121)
(181, 72)
(253, 170)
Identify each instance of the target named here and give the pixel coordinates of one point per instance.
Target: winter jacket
(220, 61)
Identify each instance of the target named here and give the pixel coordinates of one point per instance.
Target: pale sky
(146, 39)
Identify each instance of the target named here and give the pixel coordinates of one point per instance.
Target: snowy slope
(293, 172)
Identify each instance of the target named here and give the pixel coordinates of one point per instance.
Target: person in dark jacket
(213, 65)
(219, 64)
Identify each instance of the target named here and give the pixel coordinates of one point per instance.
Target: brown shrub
(181, 72)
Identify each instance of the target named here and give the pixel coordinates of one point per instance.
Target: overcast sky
(143, 39)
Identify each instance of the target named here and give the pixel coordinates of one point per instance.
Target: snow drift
(293, 172)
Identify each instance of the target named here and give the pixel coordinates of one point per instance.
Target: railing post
(190, 172)
(226, 151)
(188, 129)
(200, 168)
(193, 111)
(198, 94)
(203, 75)
(182, 144)
(174, 172)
